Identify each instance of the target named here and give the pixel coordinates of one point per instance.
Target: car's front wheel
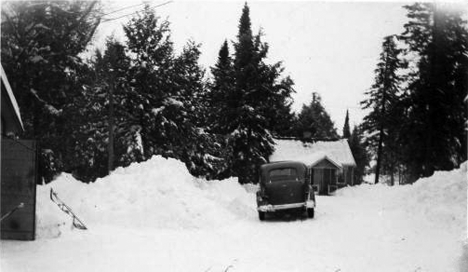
(261, 216)
(310, 212)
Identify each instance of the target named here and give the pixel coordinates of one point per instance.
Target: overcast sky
(331, 48)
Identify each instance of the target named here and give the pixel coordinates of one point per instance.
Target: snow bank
(432, 207)
(158, 193)
(439, 200)
(154, 216)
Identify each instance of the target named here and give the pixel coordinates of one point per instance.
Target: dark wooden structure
(18, 185)
(18, 171)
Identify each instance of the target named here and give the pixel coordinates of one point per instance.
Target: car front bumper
(271, 208)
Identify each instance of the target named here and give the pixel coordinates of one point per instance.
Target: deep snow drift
(159, 193)
(154, 216)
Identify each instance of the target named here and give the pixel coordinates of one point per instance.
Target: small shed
(18, 171)
(331, 162)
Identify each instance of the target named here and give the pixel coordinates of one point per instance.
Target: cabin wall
(348, 175)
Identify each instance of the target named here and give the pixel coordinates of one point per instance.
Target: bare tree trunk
(379, 156)
(392, 174)
(399, 175)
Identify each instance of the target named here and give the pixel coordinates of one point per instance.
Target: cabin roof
(320, 156)
(337, 152)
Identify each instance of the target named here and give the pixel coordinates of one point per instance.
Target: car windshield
(283, 174)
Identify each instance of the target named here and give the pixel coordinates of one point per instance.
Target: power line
(128, 7)
(116, 18)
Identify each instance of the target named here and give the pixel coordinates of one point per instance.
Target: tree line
(140, 98)
(416, 123)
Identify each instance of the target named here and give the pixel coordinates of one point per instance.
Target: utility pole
(110, 164)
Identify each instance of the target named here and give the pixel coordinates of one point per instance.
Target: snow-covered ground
(154, 216)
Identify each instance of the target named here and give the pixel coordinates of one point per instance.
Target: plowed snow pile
(159, 193)
(439, 201)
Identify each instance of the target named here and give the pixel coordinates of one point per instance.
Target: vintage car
(285, 186)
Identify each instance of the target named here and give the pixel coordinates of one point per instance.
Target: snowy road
(340, 238)
(368, 228)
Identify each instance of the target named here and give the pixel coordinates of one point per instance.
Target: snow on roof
(315, 158)
(11, 96)
(337, 152)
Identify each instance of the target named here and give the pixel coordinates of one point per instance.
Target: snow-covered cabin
(331, 162)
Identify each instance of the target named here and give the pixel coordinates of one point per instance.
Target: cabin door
(323, 177)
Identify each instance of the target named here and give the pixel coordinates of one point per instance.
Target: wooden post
(110, 165)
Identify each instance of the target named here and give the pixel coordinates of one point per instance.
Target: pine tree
(107, 76)
(157, 110)
(435, 137)
(314, 121)
(252, 100)
(346, 131)
(169, 96)
(383, 123)
(202, 151)
(42, 42)
(250, 139)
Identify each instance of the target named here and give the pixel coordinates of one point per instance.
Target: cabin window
(283, 174)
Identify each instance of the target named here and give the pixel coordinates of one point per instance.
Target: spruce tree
(250, 139)
(383, 122)
(219, 98)
(221, 92)
(251, 99)
(435, 136)
(346, 131)
(168, 94)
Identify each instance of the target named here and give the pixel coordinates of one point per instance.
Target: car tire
(310, 212)
(261, 216)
